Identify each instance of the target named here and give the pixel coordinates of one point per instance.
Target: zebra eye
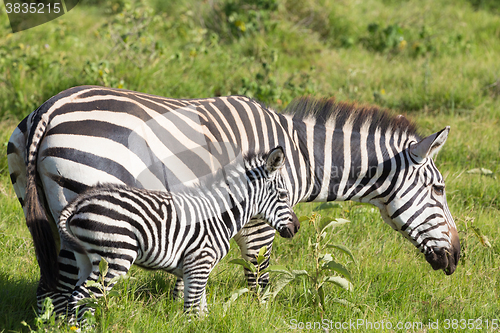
(438, 189)
(283, 195)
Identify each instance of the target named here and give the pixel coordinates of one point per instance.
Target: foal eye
(438, 189)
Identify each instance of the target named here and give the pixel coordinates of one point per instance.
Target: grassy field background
(436, 61)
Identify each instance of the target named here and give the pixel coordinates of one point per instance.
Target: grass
(437, 61)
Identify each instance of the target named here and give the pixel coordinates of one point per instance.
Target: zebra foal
(184, 233)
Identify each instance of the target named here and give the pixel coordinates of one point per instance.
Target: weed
(233, 19)
(381, 39)
(315, 279)
(102, 304)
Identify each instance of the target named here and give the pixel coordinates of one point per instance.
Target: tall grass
(435, 60)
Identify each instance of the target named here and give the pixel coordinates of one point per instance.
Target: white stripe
(347, 131)
(327, 165)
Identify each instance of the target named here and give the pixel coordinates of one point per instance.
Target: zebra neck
(349, 162)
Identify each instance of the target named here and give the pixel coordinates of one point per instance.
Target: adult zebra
(185, 233)
(335, 151)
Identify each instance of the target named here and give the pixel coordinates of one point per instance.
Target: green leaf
(339, 281)
(278, 269)
(261, 256)
(324, 220)
(300, 272)
(321, 295)
(263, 250)
(335, 223)
(113, 293)
(327, 257)
(92, 283)
(343, 249)
(103, 267)
(114, 280)
(92, 302)
(244, 263)
(281, 282)
(339, 268)
(304, 218)
(266, 294)
(47, 309)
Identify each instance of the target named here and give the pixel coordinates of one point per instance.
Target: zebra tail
(36, 218)
(67, 238)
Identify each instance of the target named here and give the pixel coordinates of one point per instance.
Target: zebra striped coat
(335, 151)
(184, 233)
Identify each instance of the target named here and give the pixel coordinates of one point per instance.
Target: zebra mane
(324, 110)
(254, 159)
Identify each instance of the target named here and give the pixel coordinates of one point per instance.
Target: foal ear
(431, 145)
(275, 159)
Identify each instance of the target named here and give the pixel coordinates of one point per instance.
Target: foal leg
(178, 291)
(196, 272)
(251, 238)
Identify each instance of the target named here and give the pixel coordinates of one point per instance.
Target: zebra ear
(431, 145)
(275, 159)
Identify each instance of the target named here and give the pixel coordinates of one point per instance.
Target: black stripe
(68, 183)
(93, 128)
(319, 139)
(97, 162)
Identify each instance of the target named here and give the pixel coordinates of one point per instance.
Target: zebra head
(417, 207)
(272, 199)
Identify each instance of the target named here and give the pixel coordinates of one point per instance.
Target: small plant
(262, 293)
(324, 262)
(380, 39)
(233, 19)
(474, 232)
(102, 303)
(47, 321)
(326, 270)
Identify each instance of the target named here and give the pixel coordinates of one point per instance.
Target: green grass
(437, 61)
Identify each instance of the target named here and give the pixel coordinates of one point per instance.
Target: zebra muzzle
(287, 231)
(441, 258)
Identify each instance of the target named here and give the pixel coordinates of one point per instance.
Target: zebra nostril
(286, 232)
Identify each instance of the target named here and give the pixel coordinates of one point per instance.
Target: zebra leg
(251, 238)
(68, 278)
(178, 291)
(196, 272)
(80, 292)
(195, 301)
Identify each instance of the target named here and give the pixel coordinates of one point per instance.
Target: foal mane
(325, 110)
